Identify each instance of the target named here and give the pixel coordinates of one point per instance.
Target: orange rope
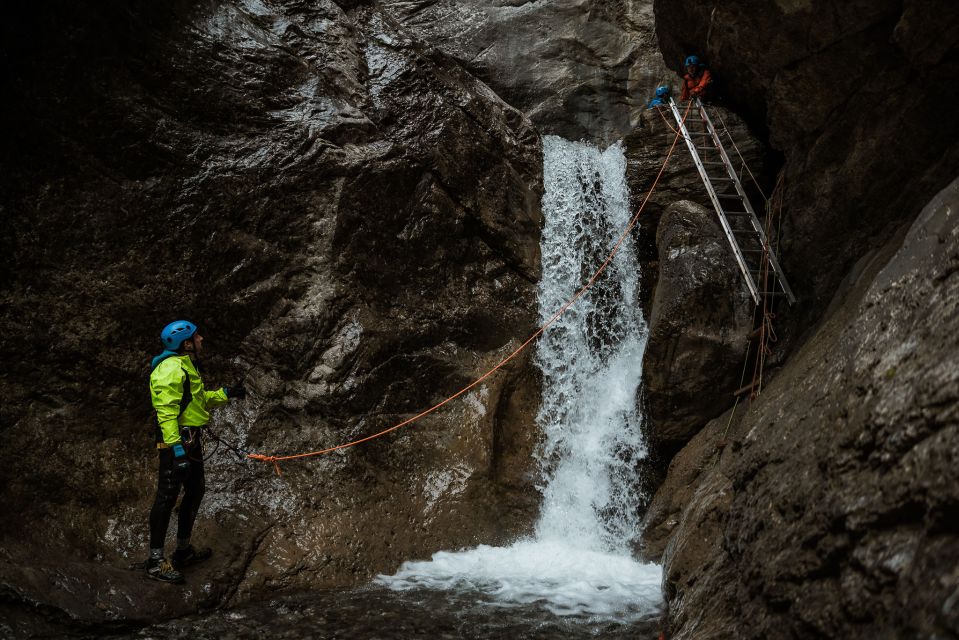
(276, 459)
(663, 116)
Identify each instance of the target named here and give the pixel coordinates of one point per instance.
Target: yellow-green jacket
(169, 390)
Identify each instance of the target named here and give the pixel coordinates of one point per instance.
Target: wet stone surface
(376, 612)
(353, 221)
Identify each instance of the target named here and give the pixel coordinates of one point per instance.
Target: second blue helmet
(692, 60)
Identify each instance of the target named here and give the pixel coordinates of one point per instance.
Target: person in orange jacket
(696, 79)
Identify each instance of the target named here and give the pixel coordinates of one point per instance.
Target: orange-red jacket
(696, 87)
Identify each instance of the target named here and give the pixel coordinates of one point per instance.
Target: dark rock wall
(843, 96)
(351, 218)
(586, 70)
(828, 508)
(581, 69)
(825, 507)
(853, 94)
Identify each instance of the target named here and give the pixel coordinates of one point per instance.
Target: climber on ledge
(661, 99)
(696, 80)
(182, 407)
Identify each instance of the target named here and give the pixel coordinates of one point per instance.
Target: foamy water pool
(565, 580)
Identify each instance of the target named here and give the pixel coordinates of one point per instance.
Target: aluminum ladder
(737, 217)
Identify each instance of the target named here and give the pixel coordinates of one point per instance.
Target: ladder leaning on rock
(737, 217)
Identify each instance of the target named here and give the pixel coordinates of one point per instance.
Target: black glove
(181, 463)
(239, 391)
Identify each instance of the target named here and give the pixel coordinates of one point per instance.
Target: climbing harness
(746, 236)
(275, 460)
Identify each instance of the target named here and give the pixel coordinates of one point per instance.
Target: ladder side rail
(720, 213)
(748, 205)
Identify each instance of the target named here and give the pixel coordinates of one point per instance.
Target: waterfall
(578, 561)
(591, 357)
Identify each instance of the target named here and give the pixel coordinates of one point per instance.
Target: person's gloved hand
(239, 391)
(181, 463)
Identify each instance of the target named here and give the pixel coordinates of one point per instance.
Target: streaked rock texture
(581, 69)
(351, 218)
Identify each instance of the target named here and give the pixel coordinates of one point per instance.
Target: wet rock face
(599, 89)
(851, 93)
(698, 306)
(647, 147)
(581, 69)
(829, 507)
(700, 322)
(823, 507)
(353, 221)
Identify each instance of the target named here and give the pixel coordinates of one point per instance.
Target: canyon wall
(345, 196)
(580, 69)
(353, 221)
(822, 508)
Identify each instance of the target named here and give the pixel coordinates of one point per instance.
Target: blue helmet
(662, 92)
(175, 333)
(692, 60)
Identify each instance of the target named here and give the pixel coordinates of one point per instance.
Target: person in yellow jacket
(182, 405)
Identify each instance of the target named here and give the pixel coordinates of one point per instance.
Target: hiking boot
(186, 557)
(163, 571)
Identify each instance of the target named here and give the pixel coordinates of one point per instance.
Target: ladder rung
(714, 164)
(730, 195)
(736, 213)
(712, 179)
(700, 133)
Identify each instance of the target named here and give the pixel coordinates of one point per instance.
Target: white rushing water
(578, 562)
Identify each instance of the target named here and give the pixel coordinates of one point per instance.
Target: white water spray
(578, 562)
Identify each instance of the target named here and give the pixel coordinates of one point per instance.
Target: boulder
(701, 319)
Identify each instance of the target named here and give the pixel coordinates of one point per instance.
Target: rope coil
(275, 460)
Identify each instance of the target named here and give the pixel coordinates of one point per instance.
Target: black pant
(168, 489)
